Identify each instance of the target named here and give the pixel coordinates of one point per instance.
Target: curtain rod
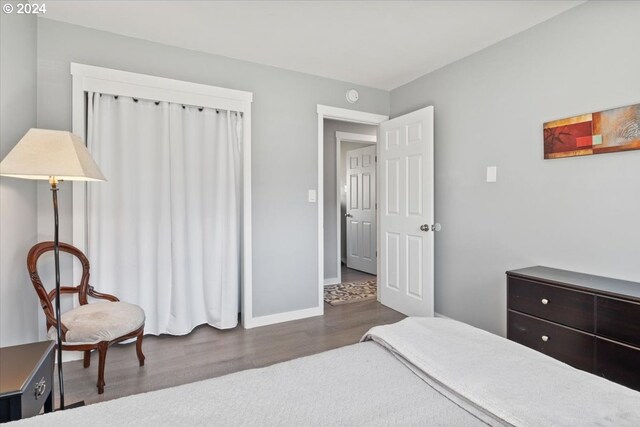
(183, 105)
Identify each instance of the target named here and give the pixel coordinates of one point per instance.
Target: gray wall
(577, 213)
(18, 301)
(284, 145)
(330, 174)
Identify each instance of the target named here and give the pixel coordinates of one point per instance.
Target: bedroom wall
(284, 145)
(18, 302)
(330, 175)
(577, 213)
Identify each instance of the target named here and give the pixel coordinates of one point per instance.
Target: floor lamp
(54, 156)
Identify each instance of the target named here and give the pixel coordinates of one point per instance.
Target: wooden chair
(89, 326)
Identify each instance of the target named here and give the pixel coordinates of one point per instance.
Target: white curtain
(164, 230)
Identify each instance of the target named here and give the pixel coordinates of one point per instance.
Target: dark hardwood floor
(208, 352)
(350, 275)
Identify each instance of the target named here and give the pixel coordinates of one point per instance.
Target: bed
(420, 371)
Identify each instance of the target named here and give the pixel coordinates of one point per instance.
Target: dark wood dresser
(26, 380)
(589, 322)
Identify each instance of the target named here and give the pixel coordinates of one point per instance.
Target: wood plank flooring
(208, 352)
(350, 275)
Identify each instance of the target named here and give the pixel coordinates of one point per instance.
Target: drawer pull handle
(544, 301)
(40, 388)
(545, 338)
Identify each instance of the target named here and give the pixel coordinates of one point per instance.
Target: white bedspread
(358, 385)
(438, 372)
(517, 385)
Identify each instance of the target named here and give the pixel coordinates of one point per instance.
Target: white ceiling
(382, 44)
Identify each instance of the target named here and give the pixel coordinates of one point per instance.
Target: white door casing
(406, 201)
(361, 209)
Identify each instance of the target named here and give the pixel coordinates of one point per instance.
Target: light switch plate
(492, 173)
(312, 196)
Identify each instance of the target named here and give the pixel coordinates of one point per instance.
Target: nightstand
(26, 380)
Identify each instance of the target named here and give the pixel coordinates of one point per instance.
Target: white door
(361, 209)
(405, 159)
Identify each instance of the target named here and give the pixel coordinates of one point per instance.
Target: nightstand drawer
(619, 320)
(567, 345)
(38, 389)
(26, 380)
(552, 303)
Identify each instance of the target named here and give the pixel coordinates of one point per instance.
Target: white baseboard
(283, 317)
(331, 281)
(69, 356)
(436, 314)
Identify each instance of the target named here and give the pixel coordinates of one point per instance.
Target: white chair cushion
(92, 323)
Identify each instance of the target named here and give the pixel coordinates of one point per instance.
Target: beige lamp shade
(43, 154)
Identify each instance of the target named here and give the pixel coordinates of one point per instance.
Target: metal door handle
(348, 215)
(424, 227)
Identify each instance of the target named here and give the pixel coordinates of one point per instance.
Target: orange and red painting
(612, 130)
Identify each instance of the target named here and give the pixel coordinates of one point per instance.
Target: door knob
(348, 215)
(436, 227)
(424, 227)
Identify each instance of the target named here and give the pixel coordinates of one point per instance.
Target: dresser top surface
(18, 364)
(580, 280)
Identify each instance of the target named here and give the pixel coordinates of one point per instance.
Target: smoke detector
(352, 96)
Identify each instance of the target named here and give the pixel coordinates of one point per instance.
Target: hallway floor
(350, 275)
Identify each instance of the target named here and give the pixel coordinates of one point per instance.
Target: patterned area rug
(346, 293)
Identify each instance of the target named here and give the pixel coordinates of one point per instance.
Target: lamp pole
(56, 256)
(54, 155)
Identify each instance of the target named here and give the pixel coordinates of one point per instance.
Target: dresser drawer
(618, 363)
(553, 303)
(619, 320)
(567, 345)
(38, 389)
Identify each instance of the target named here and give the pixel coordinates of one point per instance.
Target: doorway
(345, 131)
(405, 211)
(345, 144)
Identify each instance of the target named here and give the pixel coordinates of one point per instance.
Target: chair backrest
(46, 298)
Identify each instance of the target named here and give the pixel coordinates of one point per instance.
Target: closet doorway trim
(88, 78)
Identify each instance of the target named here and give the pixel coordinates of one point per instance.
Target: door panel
(414, 266)
(361, 209)
(367, 249)
(352, 239)
(366, 191)
(391, 257)
(392, 184)
(406, 198)
(353, 191)
(414, 185)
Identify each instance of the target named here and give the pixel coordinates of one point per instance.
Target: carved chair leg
(139, 349)
(102, 357)
(87, 358)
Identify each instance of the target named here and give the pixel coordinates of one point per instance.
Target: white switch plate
(312, 196)
(492, 173)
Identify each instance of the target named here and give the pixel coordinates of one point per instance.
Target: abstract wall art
(612, 130)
